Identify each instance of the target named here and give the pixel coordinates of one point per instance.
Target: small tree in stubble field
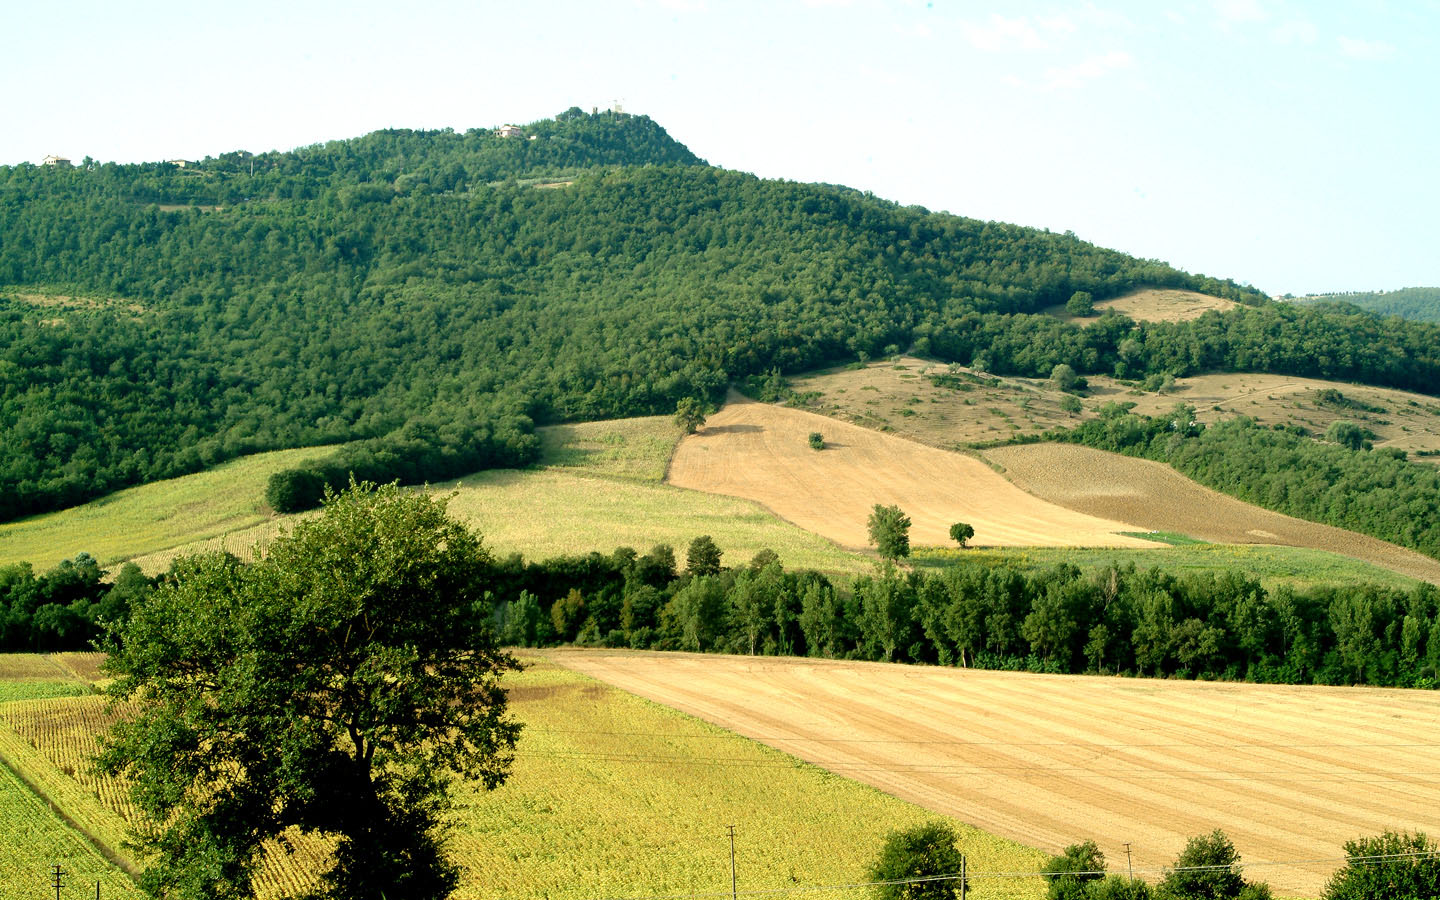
(921, 852)
(338, 685)
(817, 441)
(689, 414)
(889, 529)
(961, 532)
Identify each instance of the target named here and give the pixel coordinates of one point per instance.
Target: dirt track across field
(1289, 773)
(1155, 496)
(760, 452)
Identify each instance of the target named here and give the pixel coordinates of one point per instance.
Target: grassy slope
(611, 795)
(151, 517)
(1298, 567)
(599, 489)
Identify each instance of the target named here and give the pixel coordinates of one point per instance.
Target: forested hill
(1419, 303)
(436, 293)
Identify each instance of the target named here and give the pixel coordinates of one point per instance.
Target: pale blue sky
(1290, 145)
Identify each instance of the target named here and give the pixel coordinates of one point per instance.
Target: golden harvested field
(1290, 773)
(760, 452)
(1156, 497)
(1156, 305)
(615, 796)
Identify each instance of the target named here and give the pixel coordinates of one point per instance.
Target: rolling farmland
(759, 452)
(611, 795)
(1155, 496)
(1290, 773)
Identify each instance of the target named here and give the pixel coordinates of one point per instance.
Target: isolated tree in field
(1080, 304)
(1388, 865)
(817, 441)
(703, 557)
(689, 414)
(1349, 435)
(922, 851)
(960, 532)
(1063, 378)
(339, 685)
(889, 531)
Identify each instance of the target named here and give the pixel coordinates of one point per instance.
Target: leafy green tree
(689, 414)
(1389, 865)
(1349, 435)
(1080, 304)
(339, 685)
(919, 852)
(1071, 873)
(703, 556)
(568, 615)
(961, 532)
(817, 441)
(889, 530)
(1209, 869)
(1064, 378)
(1071, 404)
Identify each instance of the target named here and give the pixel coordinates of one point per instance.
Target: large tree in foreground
(337, 686)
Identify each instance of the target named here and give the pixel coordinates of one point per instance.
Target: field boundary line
(114, 856)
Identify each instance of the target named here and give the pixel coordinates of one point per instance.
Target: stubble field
(760, 452)
(1290, 773)
(1156, 497)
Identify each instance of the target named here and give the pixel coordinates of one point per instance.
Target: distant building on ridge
(55, 161)
(508, 131)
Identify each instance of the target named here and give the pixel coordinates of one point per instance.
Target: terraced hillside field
(1290, 773)
(1156, 497)
(760, 452)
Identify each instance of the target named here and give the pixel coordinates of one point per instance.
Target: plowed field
(760, 452)
(1155, 496)
(1290, 773)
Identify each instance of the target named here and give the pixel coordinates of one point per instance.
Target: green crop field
(611, 796)
(152, 517)
(33, 838)
(1296, 567)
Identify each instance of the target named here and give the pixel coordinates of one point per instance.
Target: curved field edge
(762, 452)
(613, 795)
(1290, 773)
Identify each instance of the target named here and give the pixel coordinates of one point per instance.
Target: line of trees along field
(1419, 303)
(1120, 620)
(415, 289)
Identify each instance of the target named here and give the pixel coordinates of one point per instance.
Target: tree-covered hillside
(436, 293)
(1419, 303)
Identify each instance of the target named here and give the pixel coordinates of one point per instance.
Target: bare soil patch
(1158, 498)
(1155, 305)
(760, 452)
(70, 302)
(1290, 773)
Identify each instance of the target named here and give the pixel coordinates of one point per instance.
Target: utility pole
(963, 886)
(57, 876)
(1128, 866)
(732, 861)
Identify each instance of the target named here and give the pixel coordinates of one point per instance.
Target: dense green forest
(1419, 303)
(1374, 492)
(435, 294)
